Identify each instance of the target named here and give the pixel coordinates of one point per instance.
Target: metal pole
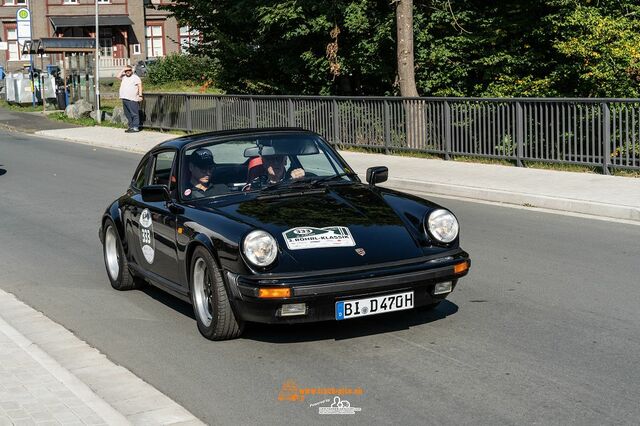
(606, 137)
(387, 127)
(31, 63)
(97, 76)
(447, 130)
(519, 133)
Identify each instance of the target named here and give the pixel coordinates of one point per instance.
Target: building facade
(130, 30)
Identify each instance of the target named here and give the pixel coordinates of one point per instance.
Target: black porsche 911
(273, 226)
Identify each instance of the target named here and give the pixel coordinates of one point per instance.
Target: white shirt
(129, 87)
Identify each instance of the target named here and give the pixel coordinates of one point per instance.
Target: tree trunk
(413, 109)
(406, 69)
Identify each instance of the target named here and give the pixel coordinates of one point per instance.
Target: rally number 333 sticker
(147, 242)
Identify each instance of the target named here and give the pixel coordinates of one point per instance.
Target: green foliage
(182, 68)
(506, 146)
(462, 47)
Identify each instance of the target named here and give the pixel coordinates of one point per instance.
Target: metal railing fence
(592, 132)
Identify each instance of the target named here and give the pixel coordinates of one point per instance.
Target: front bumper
(321, 290)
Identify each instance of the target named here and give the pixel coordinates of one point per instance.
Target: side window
(162, 170)
(141, 177)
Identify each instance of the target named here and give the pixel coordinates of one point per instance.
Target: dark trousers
(132, 112)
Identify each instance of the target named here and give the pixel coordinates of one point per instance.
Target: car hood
(336, 226)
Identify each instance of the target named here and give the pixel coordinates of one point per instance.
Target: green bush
(179, 67)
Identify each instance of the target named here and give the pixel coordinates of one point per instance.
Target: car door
(157, 223)
(131, 208)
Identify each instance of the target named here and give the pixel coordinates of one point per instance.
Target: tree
(404, 37)
(460, 47)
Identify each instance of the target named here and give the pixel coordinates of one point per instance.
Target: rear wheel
(115, 261)
(216, 320)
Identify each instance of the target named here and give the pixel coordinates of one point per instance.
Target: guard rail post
(336, 122)
(606, 137)
(187, 106)
(387, 127)
(253, 120)
(519, 133)
(447, 130)
(291, 119)
(218, 113)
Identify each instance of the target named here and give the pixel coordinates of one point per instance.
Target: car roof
(182, 141)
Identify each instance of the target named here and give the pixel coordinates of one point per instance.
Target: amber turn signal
(461, 268)
(270, 293)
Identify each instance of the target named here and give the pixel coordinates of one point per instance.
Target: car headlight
(443, 225)
(260, 248)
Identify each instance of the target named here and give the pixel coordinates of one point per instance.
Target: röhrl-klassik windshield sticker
(309, 237)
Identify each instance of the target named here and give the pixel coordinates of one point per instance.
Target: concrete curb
(117, 395)
(612, 211)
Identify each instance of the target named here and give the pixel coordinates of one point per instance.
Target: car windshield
(259, 163)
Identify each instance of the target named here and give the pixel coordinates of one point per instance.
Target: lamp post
(97, 77)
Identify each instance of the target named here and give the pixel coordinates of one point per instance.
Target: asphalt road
(545, 329)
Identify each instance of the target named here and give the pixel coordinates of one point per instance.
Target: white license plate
(347, 309)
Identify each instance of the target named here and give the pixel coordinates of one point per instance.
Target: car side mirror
(377, 175)
(155, 193)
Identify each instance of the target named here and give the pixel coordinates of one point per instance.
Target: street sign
(23, 24)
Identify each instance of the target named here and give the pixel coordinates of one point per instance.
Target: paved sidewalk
(29, 122)
(584, 193)
(50, 377)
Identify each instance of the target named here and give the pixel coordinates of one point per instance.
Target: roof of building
(59, 45)
(89, 21)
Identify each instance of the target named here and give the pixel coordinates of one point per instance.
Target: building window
(12, 41)
(154, 41)
(104, 1)
(188, 38)
(106, 42)
(136, 49)
(15, 2)
(70, 1)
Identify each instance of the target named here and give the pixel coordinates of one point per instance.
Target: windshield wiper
(287, 184)
(306, 181)
(333, 177)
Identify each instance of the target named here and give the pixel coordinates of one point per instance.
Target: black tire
(124, 279)
(214, 315)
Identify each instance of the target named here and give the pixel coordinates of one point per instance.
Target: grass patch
(60, 116)
(180, 87)
(626, 173)
(576, 168)
(482, 160)
(107, 104)
(19, 107)
(84, 121)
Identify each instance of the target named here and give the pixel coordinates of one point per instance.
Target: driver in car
(276, 170)
(201, 167)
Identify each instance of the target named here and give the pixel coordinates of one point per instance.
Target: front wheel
(214, 316)
(115, 261)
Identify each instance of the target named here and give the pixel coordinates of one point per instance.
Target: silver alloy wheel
(202, 292)
(111, 257)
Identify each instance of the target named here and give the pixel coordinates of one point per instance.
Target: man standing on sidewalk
(131, 95)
